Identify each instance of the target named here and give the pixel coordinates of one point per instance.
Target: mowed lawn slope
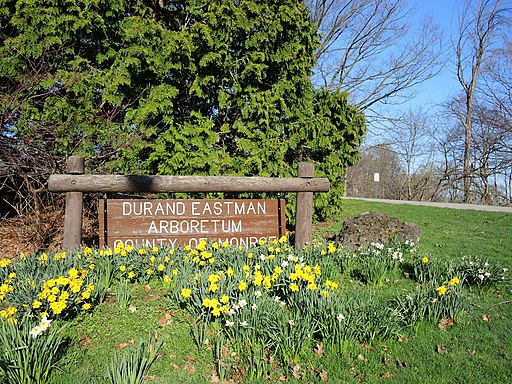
(477, 349)
(445, 232)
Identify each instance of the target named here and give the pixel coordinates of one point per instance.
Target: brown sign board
(139, 222)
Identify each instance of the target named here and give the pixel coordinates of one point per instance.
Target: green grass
(108, 329)
(477, 348)
(445, 232)
(471, 351)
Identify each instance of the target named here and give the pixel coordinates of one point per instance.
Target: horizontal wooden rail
(141, 183)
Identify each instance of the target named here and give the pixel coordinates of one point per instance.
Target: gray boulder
(362, 230)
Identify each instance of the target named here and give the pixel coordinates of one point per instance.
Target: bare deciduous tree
(370, 49)
(498, 79)
(478, 33)
(491, 157)
(492, 139)
(410, 136)
(379, 159)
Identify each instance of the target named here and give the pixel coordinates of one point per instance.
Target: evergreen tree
(219, 87)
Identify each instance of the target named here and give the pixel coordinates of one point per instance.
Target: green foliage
(123, 294)
(429, 270)
(189, 87)
(104, 275)
(333, 144)
(132, 365)
(379, 261)
(28, 356)
(429, 302)
(482, 272)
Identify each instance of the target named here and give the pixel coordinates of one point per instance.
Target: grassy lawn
(473, 347)
(476, 350)
(445, 232)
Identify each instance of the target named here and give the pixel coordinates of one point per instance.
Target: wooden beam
(140, 183)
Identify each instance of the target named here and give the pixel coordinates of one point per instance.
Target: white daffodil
(242, 303)
(45, 323)
(36, 331)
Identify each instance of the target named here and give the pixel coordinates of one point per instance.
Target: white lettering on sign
(218, 208)
(247, 241)
(148, 208)
(178, 222)
(194, 226)
(197, 208)
(146, 242)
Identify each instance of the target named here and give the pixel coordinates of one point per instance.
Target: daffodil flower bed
(44, 286)
(264, 304)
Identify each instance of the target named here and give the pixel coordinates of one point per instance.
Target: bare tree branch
(370, 49)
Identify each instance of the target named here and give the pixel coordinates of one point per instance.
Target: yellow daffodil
(5, 262)
(186, 293)
(441, 290)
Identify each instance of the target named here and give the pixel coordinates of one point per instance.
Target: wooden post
(304, 214)
(74, 204)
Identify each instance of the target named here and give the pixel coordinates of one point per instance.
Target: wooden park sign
(240, 218)
(139, 222)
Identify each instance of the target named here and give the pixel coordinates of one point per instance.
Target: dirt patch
(43, 231)
(30, 234)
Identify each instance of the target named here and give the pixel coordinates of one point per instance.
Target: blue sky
(436, 90)
(445, 83)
